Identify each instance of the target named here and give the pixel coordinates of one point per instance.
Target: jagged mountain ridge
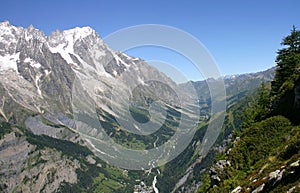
(47, 66)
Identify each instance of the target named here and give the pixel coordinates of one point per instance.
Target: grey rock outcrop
(25, 169)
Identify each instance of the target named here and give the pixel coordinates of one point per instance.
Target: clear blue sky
(243, 36)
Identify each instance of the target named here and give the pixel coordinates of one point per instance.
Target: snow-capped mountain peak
(79, 33)
(49, 64)
(70, 36)
(7, 33)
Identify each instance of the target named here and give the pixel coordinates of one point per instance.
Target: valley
(77, 116)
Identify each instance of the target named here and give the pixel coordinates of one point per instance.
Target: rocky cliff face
(25, 168)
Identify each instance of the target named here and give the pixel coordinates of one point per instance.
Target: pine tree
(287, 78)
(288, 61)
